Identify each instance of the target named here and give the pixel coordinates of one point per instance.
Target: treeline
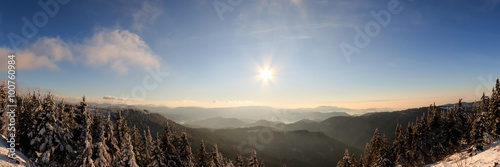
(434, 136)
(56, 134)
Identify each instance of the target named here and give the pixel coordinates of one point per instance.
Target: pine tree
(50, 141)
(169, 151)
(158, 160)
(253, 161)
(239, 161)
(137, 143)
(84, 159)
(217, 160)
(101, 155)
(148, 148)
(203, 157)
(111, 142)
(25, 123)
(128, 155)
(479, 134)
(494, 111)
(185, 153)
(399, 147)
(346, 160)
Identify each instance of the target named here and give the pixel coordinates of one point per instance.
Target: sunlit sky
(214, 55)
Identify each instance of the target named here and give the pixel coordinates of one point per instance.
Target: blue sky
(431, 51)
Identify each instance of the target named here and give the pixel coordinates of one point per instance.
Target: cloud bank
(117, 50)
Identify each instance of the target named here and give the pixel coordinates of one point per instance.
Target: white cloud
(114, 98)
(44, 53)
(145, 16)
(118, 50)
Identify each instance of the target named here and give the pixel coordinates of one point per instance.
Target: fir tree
(111, 142)
(128, 155)
(169, 151)
(101, 155)
(137, 143)
(346, 160)
(399, 147)
(185, 153)
(148, 148)
(217, 160)
(479, 134)
(84, 159)
(239, 161)
(203, 157)
(158, 160)
(253, 161)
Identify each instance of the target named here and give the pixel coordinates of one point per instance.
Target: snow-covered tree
(169, 150)
(84, 158)
(203, 157)
(128, 155)
(239, 161)
(158, 159)
(51, 140)
(185, 153)
(138, 144)
(148, 148)
(399, 147)
(217, 159)
(101, 155)
(346, 160)
(253, 161)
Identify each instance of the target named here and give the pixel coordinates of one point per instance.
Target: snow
(487, 158)
(5, 160)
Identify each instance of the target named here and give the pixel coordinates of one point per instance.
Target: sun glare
(266, 74)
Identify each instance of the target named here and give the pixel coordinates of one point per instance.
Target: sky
(347, 53)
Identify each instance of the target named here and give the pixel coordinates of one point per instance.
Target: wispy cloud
(44, 53)
(146, 16)
(118, 50)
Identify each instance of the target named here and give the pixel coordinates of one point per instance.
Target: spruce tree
(346, 160)
(169, 151)
(101, 155)
(203, 157)
(217, 159)
(128, 155)
(239, 161)
(158, 159)
(84, 159)
(138, 144)
(148, 148)
(185, 153)
(253, 161)
(399, 147)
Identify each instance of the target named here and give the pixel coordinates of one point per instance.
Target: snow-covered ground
(487, 158)
(5, 160)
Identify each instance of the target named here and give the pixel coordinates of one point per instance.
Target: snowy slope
(486, 158)
(5, 160)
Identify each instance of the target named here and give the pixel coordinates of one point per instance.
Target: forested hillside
(435, 135)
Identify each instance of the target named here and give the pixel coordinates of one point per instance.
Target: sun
(266, 74)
